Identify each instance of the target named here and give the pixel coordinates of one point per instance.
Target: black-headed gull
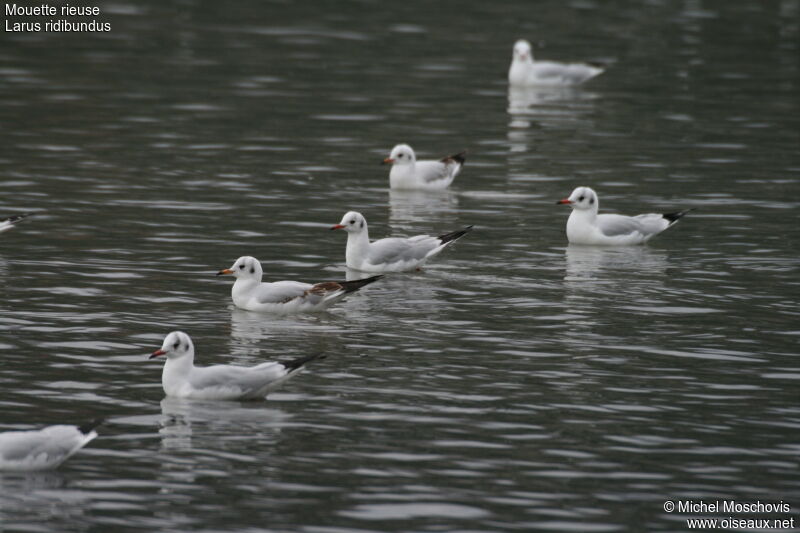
(182, 379)
(8, 223)
(392, 254)
(408, 173)
(524, 71)
(585, 226)
(43, 449)
(284, 297)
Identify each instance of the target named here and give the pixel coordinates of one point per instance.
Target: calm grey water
(517, 383)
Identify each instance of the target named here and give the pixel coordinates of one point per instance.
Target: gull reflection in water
(252, 328)
(554, 107)
(600, 279)
(594, 270)
(529, 100)
(184, 420)
(35, 493)
(413, 211)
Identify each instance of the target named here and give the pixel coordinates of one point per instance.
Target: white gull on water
(182, 379)
(249, 292)
(393, 254)
(585, 226)
(408, 173)
(43, 449)
(524, 71)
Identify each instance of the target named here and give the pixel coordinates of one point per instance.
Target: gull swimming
(408, 173)
(182, 379)
(524, 71)
(43, 449)
(393, 254)
(249, 292)
(585, 226)
(8, 223)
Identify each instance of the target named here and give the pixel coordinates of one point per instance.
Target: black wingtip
(447, 237)
(16, 218)
(461, 157)
(354, 285)
(89, 426)
(294, 364)
(674, 217)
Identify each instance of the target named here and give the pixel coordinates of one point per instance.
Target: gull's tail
(672, 218)
(460, 158)
(354, 285)
(448, 237)
(8, 222)
(89, 426)
(298, 363)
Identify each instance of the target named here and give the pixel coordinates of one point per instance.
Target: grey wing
(232, 377)
(569, 73)
(280, 291)
(615, 225)
(431, 171)
(55, 442)
(396, 249)
(652, 223)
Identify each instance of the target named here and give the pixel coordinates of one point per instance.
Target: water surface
(515, 384)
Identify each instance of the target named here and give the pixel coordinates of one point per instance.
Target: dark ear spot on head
(591, 200)
(252, 270)
(362, 223)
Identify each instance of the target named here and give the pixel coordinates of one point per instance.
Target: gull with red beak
(408, 173)
(43, 449)
(585, 226)
(284, 297)
(182, 379)
(526, 72)
(393, 254)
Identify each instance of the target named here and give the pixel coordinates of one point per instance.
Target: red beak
(337, 226)
(564, 201)
(157, 353)
(387, 161)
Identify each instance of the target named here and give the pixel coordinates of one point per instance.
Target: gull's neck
(244, 285)
(357, 247)
(520, 69)
(176, 373)
(583, 216)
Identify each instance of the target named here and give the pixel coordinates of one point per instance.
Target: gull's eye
(399, 156)
(176, 345)
(241, 267)
(580, 199)
(353, 221)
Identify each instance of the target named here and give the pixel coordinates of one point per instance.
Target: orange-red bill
(224, 271)
(387, 161)
(337, 226)
(564, 201)
(157, 353)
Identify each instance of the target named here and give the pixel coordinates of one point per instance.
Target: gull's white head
(245, 267)
(402, 154)
(176, 344)
(352, 222)
(522, 51)
(581, 198)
